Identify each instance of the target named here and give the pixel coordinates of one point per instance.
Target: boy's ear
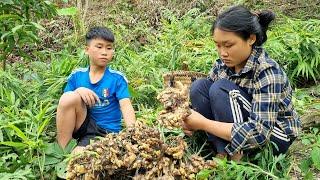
(86, 48)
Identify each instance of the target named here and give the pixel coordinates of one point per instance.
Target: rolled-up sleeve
(264, 111)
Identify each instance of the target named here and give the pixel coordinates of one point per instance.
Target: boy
(95, 98)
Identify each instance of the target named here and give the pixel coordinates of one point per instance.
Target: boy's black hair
(240, 20)
(99, 32)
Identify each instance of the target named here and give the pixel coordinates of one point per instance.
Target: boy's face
(100, 52)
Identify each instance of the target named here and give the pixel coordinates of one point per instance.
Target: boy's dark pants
(89, 130)
(212, 100)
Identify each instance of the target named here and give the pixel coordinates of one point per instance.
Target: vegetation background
(42, 42)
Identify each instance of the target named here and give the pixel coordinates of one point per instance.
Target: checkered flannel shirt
(271, 101)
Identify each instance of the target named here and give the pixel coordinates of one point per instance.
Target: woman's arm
(127, 112)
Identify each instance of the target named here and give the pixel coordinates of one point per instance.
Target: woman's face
(232, 49)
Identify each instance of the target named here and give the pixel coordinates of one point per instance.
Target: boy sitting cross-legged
(95, 98)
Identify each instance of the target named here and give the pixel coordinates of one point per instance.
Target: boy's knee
(70, 99)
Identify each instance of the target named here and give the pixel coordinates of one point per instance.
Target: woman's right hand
(195, 121)
(88, 96)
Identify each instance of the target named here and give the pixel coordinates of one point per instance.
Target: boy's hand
(88, 96)
(127, 112)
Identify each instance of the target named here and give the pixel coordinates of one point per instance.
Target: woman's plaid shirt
(271, 102)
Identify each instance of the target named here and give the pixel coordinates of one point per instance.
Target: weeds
(295, 45)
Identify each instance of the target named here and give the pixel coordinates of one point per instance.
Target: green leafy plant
(295, 44)
(312, 141)
(25, 118)
(19, 174)
(18, 22)
(78, 23)
(263, 166)
(57, 157)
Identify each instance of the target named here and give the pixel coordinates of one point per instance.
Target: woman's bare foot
(236, 157)
(221, 155)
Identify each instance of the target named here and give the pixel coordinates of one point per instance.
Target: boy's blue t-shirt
(112, 87)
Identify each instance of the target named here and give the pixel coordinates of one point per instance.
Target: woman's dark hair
(99, 32)
(240, 20)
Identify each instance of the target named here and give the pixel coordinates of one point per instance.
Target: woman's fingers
(186, 129)
(194, 121)
(188, 132)
(185, 126)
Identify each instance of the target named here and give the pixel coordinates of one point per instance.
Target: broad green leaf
(315, 130)
(58, 149)
(71, 11)
(204, 174)
(308, 176)
(49, 148)
(70, 146)
(54, 149)
(305, 165)
(306, 142)
(19, 174)
(315, 156)
(317, 106)
(49, 160)
(61, 169)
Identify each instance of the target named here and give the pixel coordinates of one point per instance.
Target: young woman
(246, 102)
